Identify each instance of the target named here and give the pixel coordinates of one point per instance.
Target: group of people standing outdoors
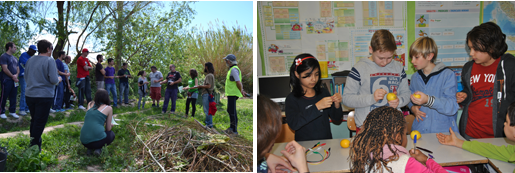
(46, 88)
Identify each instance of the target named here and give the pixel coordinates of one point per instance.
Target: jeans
(111, 88)
(67, 94)
(205, 105)
(8, 91)
(193, 100)
(58, 96)
(141, 96)
(84, 89)
(23, 85)
(39, 110)
(170, 94)
(231, 109)
(124, 91)
(101, 143)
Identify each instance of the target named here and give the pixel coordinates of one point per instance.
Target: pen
(414, 143)
(423, 149)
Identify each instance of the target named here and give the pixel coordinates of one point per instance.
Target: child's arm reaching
(417, 161)
(502, 153)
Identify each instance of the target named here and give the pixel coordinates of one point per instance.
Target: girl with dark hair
(268, 127)
(209, 87)
(308, 106)
(142, 88)
(380, 146)
(488, 83)
(192, 92)
(96, 131)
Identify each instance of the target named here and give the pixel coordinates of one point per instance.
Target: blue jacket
(22, 61)
(442, 114)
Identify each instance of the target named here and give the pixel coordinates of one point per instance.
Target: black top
(98, 75)
(308, 122)
(172, 77)
(122, 72)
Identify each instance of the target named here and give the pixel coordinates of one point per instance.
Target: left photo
(126, 86)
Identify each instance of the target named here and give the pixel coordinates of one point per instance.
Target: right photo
(385, 86)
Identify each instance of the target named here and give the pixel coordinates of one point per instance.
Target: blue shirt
(21, 63)
(443, 113)
(66, 69)
(60, 67)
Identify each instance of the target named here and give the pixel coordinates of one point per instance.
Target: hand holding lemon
(391, 96)
(345, 143)
(419, 98)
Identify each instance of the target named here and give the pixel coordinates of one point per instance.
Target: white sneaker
(52, 111)
(27, 111)
(3, 116)
(82, 107)
(14, 115)
(22, 113)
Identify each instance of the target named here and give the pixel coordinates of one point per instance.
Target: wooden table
(503, 166)
(339, 159)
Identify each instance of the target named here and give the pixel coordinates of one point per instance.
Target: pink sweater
(413, 165)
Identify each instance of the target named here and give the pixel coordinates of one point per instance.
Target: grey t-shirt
(155, 76)
(235, 74)
(142, 89)
(210, 79)
(11, 62)
(41, 77)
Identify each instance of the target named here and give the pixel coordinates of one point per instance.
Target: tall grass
(216, 42)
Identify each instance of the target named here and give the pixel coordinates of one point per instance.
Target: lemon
(345, 143)
(416, 96)
(391, 96)
(415, 132)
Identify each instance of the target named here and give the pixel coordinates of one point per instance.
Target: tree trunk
(119, 35)
(61, 30)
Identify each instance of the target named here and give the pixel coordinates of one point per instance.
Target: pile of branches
(194, 149)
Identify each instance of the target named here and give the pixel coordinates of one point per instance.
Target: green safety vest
(231, 89)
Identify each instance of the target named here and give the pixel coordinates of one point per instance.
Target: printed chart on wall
(323, 29)
(503, 14)
(448, 24)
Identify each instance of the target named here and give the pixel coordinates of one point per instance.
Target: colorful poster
(325, 9)
(448, 24)
(320, 26)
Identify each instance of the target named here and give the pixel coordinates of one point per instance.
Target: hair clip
(299, 61)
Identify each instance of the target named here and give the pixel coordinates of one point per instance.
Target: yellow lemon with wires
(391, 96)
(416, 96)
(415, 132)
(345, 143)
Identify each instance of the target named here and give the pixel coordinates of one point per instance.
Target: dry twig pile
(191, 148)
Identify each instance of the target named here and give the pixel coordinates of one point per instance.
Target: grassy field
(63, 151)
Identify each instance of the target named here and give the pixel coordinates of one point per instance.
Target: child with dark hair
(142, 88)
(488, 83)
(192, 92)
(435, 108)
(381, 146)
(93, 134)
(268, 127)
(308, 106)
(502, 153)
(372, 78)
